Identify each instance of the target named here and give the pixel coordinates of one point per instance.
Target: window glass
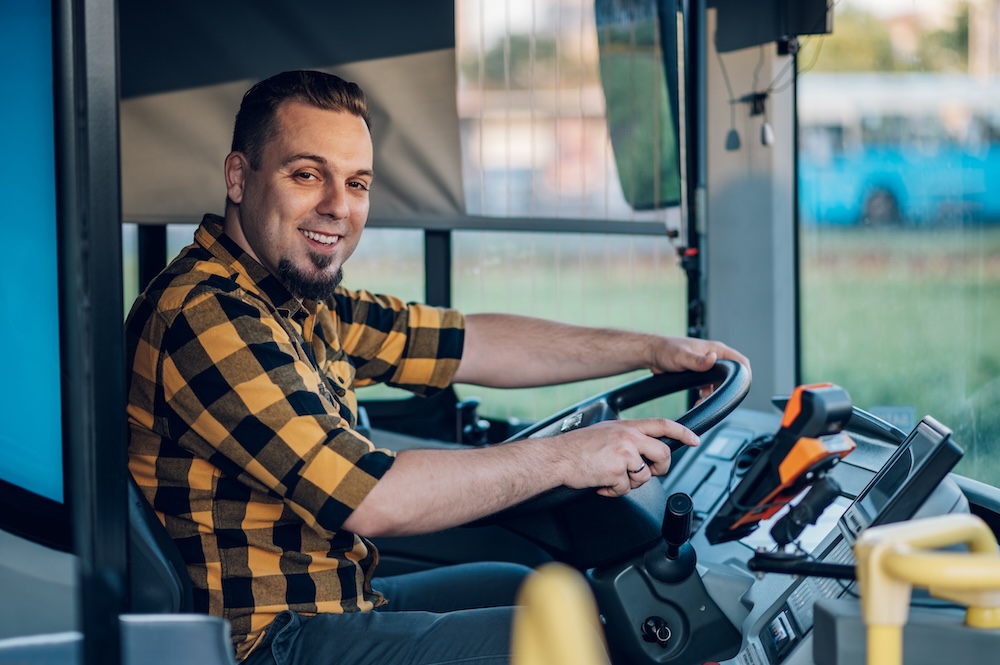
(536, 145)
(179, 236)
(534, 121)
(630, 282)
(130, 265)
(389, 261)
(899, 154)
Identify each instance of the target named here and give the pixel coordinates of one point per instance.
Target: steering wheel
(734, 380)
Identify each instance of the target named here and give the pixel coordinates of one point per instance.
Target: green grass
(910, 318)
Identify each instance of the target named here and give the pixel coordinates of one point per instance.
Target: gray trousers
(457, 614)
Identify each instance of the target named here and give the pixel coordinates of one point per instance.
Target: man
(245, 352)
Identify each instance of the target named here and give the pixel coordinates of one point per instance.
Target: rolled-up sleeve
(408, 345)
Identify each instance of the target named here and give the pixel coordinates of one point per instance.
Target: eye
(358, 184)
(305, 175)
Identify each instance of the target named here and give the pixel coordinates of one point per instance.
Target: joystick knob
(677, 523)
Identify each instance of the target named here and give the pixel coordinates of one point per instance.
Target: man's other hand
(617, 456)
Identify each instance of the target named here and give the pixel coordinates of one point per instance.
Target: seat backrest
(158, 578)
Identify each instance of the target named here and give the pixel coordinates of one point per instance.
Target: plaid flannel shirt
(241, 416)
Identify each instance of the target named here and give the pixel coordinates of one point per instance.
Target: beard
(310, 287)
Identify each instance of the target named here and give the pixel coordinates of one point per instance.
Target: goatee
(309, 287)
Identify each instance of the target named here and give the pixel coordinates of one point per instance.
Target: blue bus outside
(917, 150)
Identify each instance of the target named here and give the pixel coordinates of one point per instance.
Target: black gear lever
(680, 622)
(676, 527)
(677, 561)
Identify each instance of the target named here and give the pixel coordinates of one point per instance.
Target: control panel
(886, 477)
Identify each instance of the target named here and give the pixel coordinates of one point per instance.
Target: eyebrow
(322, 161)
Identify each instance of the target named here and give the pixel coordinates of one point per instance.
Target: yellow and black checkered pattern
(241, 414)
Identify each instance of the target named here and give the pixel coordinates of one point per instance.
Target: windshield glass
(900, 220)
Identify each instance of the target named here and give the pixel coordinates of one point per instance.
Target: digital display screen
(906, 480)
(895, 473)
(30, 394)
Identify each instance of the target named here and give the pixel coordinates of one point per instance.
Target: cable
(771, 88)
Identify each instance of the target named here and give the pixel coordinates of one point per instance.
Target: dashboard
(886, 478)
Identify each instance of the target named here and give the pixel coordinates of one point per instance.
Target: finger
(664, 427)
(698, 362)
(656, 457)
(653, 450)
(728, 353)
(621, 487)
(639, 475)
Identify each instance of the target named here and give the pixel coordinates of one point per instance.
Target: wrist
(655, 351)
(555, 458)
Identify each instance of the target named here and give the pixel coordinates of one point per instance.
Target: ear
(236, 171)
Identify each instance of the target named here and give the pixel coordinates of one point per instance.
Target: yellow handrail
(556, 622)
(892, 558)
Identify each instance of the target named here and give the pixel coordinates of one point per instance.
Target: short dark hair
(255, 122)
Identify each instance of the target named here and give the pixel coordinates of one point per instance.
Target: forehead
(339, 137)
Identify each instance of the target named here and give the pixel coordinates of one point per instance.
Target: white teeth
(319, 237)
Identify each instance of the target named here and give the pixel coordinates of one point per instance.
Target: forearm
(430, 490)
(507, 351)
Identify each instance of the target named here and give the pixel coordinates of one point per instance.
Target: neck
(232, 226)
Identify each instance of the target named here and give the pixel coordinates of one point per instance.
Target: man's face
(302, 212)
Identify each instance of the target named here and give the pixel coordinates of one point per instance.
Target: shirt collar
(250, 274)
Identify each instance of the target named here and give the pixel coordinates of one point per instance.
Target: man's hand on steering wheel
(676, 354)
(617, 456)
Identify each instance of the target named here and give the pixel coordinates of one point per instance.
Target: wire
(803, 70)
(815, 58)
(760, 63)
(771, 88)
(725, 77)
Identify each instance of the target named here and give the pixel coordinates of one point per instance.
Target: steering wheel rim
(734, 384)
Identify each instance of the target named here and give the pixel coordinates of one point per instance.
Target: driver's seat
(162, 628)
(158, 578)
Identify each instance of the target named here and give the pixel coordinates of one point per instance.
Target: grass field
(912, 319)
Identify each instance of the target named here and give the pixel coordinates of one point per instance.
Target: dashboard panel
(779, 608)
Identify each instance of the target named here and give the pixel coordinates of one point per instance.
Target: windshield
(900, 224)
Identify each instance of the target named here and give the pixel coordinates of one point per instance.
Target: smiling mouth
(320, 238)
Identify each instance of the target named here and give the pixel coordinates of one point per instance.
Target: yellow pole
(885, 645)
(556, 622)
(893, 557)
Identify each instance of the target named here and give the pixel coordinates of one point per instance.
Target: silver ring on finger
(641, 467)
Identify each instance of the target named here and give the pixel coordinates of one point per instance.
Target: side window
(538, 82)
(628, 281)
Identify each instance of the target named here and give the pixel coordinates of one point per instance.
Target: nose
(335, 202)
